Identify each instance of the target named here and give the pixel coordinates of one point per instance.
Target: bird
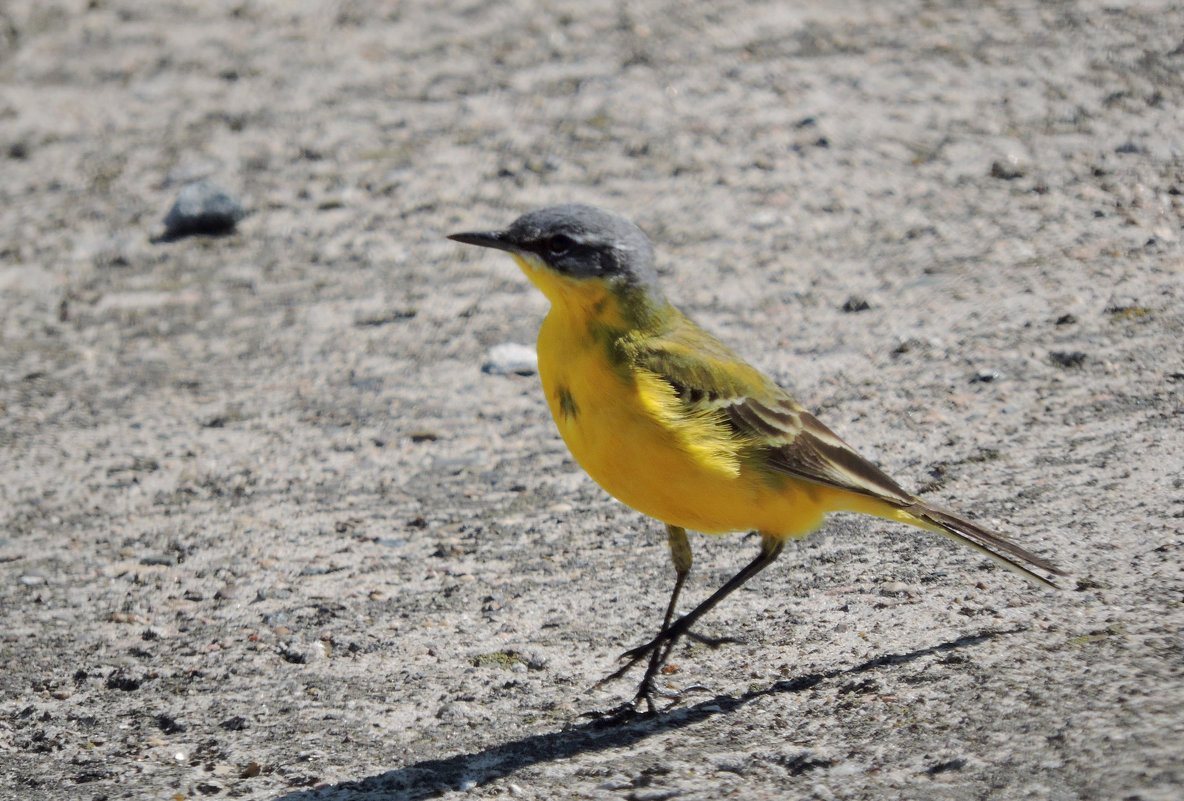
(674, 424)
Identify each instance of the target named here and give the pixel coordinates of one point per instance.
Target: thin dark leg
(681, 556)
(659, 648)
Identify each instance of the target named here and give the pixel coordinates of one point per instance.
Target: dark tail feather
(995, 545)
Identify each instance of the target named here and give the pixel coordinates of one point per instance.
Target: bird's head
(575, 252)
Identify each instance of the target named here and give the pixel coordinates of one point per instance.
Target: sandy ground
(268, 531)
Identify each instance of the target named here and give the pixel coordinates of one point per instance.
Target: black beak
(485, 239)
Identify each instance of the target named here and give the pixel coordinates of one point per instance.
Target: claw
(635, 655)
(712, 642)
(618, 673)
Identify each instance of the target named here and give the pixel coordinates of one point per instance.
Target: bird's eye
(558, 245)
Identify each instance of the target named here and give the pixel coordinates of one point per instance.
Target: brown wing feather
(798, 444)
(815, 453)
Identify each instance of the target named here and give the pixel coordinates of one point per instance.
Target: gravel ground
(268, 530)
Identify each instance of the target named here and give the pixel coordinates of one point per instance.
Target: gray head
(578, 242)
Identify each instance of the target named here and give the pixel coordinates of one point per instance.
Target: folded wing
(708, 378)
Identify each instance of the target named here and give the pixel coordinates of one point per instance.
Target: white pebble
(510, 358)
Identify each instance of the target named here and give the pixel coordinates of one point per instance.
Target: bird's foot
(635, 655)
(656, 651)
(631, 658)
(644, 704)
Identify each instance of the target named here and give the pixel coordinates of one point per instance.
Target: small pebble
(1072, 358)
(1006, 169)
(856, 304)
(510, 358)
(202, 208)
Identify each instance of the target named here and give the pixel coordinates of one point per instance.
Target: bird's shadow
(431, 777)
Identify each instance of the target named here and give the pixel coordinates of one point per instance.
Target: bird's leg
(681, 556)
(659, 648)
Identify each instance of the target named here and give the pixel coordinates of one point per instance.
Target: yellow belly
(649, 461)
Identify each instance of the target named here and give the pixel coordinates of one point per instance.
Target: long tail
(995, 545)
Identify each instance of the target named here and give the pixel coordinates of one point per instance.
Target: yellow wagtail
(674, 424)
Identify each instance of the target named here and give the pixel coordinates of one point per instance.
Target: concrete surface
(268, 531)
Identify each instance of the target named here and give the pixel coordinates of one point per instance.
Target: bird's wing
(708, 378)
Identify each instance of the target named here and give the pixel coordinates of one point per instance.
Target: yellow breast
(625, 429)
